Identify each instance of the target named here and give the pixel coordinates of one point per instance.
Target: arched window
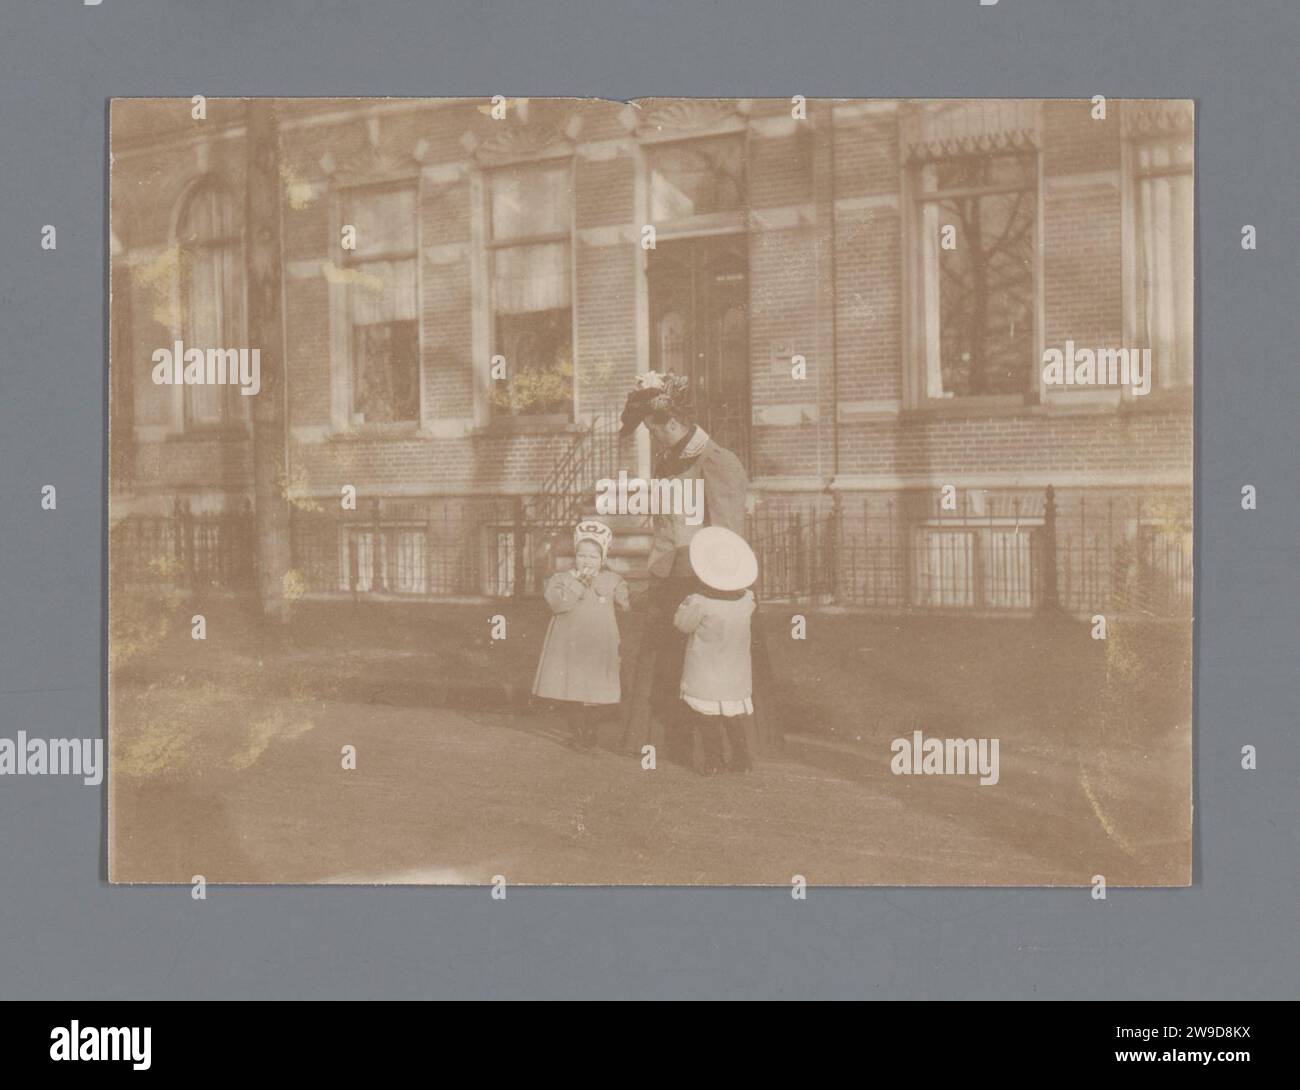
(209, 235)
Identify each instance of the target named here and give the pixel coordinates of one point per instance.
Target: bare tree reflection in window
(979, 297)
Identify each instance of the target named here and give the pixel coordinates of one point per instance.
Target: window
(383, 315)
(389, 560)
(212, 296)
(978, 223)
(945, 568)
(693, 178)
(1162, 202)
(530, 221)
(989, 567)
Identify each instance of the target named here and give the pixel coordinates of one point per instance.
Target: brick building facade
(862, 293)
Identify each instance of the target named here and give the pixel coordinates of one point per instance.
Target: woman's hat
(722, 559)
(654, 391)
(593, 530)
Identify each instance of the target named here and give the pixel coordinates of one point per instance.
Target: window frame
(979, 529)
(911, 225)
(498, 419)
(234, 414)
(1134, 318)
(736, 220)
(350, 260)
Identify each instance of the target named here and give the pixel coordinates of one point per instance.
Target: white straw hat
(723, 559)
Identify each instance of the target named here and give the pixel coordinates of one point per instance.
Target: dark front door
(699, 327)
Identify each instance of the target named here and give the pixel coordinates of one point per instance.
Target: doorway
(699, 327)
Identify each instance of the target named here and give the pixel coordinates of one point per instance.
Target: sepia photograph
(674, 492)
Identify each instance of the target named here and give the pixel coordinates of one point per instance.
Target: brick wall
(795, 192)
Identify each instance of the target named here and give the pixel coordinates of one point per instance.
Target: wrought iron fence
(981, 551)
(996, 552)
(594, 454)
(429, 547)
(1134, 557)
(195, 551)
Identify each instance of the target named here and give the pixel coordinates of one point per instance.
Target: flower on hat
(654, 391)
(672, 389)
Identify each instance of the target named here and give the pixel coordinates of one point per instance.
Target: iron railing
(184, 549)
(594, 454)
(983, 552)
(1005, 553)
(435, 547)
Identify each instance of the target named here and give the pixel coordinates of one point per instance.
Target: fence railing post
(1051, 600)
(800, 562)
(520, 538)
(834, 543)
(376, 546)
(184, 541)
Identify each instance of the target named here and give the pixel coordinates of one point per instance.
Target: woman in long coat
(654, 714)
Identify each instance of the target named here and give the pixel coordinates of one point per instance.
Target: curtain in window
(211, 292)
(1165, 205)
(532, 288)
(1007, 569)
(930, 298)
(945, 565)
(526, 279)
(383, 291)
(204, 328)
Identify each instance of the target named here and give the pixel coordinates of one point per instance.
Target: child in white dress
(717, 678)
